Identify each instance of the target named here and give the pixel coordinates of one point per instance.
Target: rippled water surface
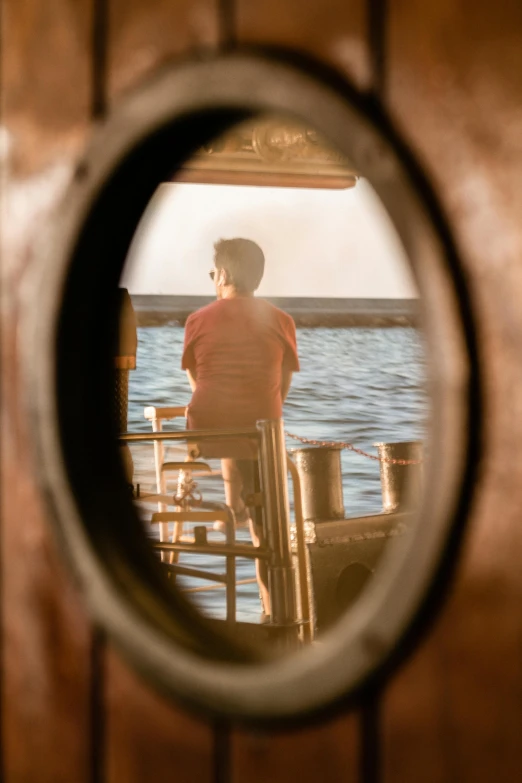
(358, 385)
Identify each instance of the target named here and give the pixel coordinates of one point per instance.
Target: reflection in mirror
(268, 284)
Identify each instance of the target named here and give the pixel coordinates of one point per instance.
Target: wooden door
(449, 73)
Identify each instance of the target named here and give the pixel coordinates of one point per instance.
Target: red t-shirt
(237, 349)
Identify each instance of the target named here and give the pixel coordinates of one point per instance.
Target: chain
(187, 494)
(351, 447)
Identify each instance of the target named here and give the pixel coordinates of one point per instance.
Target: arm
(188, 359)
(192, 377)
(286, 380)
(290, 357)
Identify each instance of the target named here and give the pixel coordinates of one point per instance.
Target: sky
(320, 243)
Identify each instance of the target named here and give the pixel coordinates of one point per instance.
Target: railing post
(401, 485)
(273, 469)
(123, 362)
(321, 481)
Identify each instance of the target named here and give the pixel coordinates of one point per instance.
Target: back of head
(243, 260)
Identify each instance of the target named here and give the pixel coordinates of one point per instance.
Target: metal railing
(281, 577)
(276, 552)
(190, 435)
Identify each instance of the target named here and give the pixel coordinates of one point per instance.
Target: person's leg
(238, 476)
(233, 481)
(261, 571)
(247, 469)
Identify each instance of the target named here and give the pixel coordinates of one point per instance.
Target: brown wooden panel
(46, 635)
(418, 741)
(328, 753)
(336, 33)
(333, 31)
(149, 738)
(45, 79)
(143, 35)
(47, 682)
(454, 712)
(455, 88)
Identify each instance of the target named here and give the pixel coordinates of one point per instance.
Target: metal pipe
(239, 432)
(230, 565)
(247, 551)
(217, 586)
(196, 573)
(281, 581)
(322, 482)
(186, 465)
(401, 484)
(161, 484)
(306, 613)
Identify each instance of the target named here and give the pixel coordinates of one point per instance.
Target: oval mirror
(255, 308)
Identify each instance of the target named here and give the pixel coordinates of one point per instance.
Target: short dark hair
(243, 260)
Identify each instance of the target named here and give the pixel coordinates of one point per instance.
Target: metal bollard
(401, 485)
(273, 469)
(320, 474)
(123, 362)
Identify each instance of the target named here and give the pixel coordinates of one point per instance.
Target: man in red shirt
(239, 354)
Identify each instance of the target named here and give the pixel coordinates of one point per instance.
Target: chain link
(187, 494)
(351, 447)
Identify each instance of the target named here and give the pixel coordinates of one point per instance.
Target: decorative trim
(273, 152)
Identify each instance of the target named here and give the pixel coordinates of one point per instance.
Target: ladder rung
(193, 467)
(204, 588)
(189, 516)
(156, 498)
(172, 412)
(196, 573)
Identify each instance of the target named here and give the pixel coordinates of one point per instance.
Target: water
(358, 385)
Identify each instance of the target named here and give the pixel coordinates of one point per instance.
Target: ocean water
(356, 384)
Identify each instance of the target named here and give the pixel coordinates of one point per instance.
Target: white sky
(322, 243)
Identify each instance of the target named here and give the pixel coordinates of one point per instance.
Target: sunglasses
(212, 274)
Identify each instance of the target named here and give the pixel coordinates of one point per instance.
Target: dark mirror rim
(386, 619)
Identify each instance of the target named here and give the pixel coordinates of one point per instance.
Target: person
(239, 354)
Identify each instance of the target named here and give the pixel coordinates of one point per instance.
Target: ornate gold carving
(270, 151)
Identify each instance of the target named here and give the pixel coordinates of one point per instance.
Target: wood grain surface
(452, 80)
(454, 85)
(336, 33)
(46, 88)
(56, 725)
(45, 631)
(148, 738)
(330, 751)
(333, 31)
(143, 35)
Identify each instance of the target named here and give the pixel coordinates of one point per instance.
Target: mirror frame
(68, 314)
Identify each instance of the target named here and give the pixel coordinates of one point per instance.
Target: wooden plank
(145, 35)
(46, 80)
(454, 85)
(329, 752)
(147, 737)
(417, 716)
(46, 635)
(336, 33)
(262, 179)
(454, 710)
(333, 31)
